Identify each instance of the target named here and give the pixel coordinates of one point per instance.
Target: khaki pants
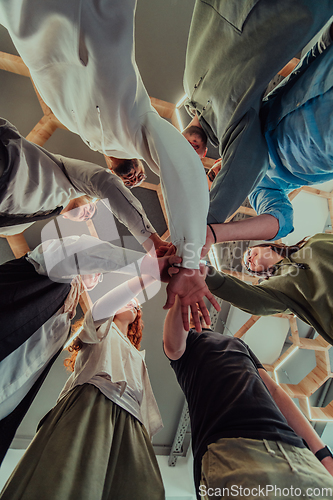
(253, 469)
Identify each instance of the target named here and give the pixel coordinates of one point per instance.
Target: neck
(122, 325)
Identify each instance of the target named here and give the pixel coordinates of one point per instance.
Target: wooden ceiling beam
(43, 130)
(18, 245)
(13, 64)
(289, 67)
(164, 108)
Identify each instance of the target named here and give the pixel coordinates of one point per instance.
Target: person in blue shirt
(297, 125)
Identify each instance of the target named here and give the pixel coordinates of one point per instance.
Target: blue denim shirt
(299, 133)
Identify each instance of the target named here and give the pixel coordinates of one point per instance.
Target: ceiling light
(287, 357)
(181, 127)
(181, 101)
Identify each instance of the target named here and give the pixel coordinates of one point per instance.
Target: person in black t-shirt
(247, 434)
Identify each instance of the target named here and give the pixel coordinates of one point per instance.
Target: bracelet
(323, 453)
(212, 230)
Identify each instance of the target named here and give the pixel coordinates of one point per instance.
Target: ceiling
(161, 34)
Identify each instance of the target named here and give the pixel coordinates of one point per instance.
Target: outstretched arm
(99, 182)
(274, 219)
(183, 183)
(61, 259)
(261, 227)
(107, 305)
(261, 300)
(295, 418)
(174, 334)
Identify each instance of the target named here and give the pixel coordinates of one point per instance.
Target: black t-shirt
(225, 394)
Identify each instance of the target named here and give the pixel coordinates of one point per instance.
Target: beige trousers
(237, 468)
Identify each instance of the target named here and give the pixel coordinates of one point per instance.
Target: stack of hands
(188, 284)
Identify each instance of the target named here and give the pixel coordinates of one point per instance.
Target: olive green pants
(87, 448)
(248, 468)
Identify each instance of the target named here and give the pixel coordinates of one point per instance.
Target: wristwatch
(323, 453)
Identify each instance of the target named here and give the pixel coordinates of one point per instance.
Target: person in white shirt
(95, 443)
(80, 55)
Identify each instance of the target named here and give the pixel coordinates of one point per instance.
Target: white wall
(178, 481)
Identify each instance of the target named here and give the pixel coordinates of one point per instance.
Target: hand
(190, 285)
(166, 265)
(154, 242)
(209, 242)
(161, 268)
(168, 248)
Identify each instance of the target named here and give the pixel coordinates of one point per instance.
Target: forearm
(261, 227)
(115, 299)
(297, 420)
(99, 182)
(300, 424)
(174, 335)
(253, 299)
(292, 414)
(63, 259)
(183, 185)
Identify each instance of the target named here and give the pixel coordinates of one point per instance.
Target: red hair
(134, 334)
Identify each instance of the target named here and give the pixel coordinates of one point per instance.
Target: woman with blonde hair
(95, 443)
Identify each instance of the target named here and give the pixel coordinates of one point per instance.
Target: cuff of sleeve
(325, 40)
(142, 234)
(92, 334)
(190, 253)
(285, 227)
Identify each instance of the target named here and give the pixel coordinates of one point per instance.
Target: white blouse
(109, 355)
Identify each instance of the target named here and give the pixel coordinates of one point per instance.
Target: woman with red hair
(95, 443)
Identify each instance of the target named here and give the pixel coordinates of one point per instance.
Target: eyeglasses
(134, 180)
(89, 211)
(211, 175)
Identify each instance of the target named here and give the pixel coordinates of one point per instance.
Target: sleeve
(92, 333)
(111, 302)
(99, 182)
(63, 259)
(261, 300)
(268, 198)
(183, 183)
(245, 161)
